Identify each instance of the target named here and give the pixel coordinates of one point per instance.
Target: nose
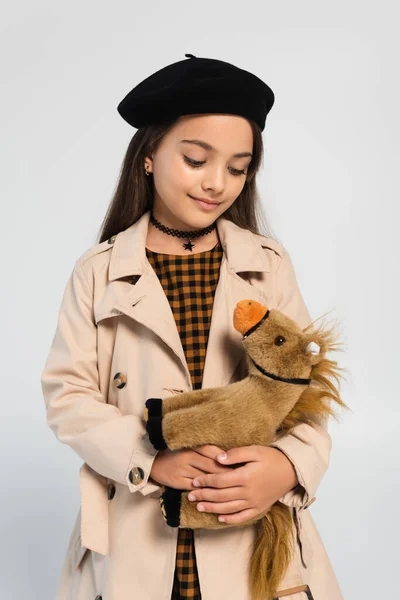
(246, 314)
(214, 180)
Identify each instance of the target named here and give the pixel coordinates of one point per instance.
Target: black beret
(197, 86)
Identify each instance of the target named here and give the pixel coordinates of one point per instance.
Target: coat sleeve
(307, 447)
(112, 444)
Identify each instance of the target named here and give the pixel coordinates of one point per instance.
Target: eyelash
(197, 163)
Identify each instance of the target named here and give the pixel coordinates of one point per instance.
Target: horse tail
(272, 552)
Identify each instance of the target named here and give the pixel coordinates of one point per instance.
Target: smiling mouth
(205, 200)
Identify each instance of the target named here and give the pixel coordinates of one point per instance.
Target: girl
(147, 312)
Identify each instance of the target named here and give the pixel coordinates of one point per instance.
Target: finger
(239, 455)
(207, 465)
(231, 478)
(208, 450)
(223, 507)
(239, 517)
(194, 472)
(217, 495)
(186, 483)
(203, 466)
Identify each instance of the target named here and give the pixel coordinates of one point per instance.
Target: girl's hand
(178, 468)
(245, 492)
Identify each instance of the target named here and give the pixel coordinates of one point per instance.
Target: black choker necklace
(183, 234)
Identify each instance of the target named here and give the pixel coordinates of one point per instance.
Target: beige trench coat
(115, 318)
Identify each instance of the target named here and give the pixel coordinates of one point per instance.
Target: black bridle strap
(249, 331)
(297, 380)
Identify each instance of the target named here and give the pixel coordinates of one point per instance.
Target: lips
(205, 200)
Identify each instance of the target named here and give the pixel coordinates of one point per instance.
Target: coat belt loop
(305, 546)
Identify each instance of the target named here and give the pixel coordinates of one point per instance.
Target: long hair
(134, 191)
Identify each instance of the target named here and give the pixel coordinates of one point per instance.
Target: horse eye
(279, 340)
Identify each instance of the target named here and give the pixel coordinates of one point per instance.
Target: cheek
(182, 178)
(239, 184)
(173, 180)
(234, 188)
(186, 178)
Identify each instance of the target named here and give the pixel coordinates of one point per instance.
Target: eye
(238, 172)
(279, 340)
(193, 163)
(199, 163)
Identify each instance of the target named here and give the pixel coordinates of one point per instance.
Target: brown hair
(133, 195)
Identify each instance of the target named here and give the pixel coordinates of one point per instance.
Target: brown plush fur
(258, 410)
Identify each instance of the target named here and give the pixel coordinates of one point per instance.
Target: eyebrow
(207, 146)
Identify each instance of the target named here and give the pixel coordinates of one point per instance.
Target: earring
(147, 172)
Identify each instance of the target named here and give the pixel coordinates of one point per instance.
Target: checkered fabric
(189, 283)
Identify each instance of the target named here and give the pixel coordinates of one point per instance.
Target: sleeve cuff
(298, 496)
(307, 447)
(138, 475)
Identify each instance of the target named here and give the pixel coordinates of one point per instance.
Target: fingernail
(195, 483)
(200, 507)
(192, 497)
(221, 519)
(222, 457)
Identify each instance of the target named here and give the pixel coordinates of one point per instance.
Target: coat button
(111, 491)
(99, 598)
(136, 475)
(120, 380)
(111, 240)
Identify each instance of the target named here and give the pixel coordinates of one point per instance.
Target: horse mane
(314, 404)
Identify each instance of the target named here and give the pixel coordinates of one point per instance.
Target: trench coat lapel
(242, 254)
(147, 303)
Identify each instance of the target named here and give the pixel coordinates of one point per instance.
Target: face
(202, 156)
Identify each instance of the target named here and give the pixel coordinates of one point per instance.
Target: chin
(201, 221)
(198, 219)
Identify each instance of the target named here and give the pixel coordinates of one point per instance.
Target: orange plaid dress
(189, 283)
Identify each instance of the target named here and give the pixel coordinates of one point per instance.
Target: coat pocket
(299, 592)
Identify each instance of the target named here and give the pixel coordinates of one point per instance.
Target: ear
(314, 352)
(148, 159)
(313, 348)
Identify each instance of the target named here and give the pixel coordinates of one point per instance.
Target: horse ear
(314, 352)
(313, 348)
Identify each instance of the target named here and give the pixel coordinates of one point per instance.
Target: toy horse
(283, 362)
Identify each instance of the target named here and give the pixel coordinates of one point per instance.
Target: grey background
(330, 188)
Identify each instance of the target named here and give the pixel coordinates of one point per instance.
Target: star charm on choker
(188, 245)
(183, 234)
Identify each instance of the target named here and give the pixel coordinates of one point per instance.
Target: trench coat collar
(242, 249)
(146, 302)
